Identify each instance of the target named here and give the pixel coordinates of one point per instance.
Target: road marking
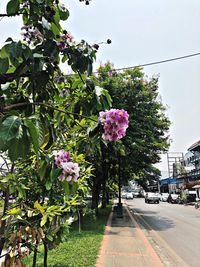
(150, 249)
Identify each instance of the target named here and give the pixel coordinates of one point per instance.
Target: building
(168, 185)
(187, 173)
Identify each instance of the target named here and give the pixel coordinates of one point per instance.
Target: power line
(158, 62)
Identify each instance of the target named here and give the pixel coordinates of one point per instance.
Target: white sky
(144, 31)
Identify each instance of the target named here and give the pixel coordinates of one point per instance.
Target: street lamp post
(119, 204)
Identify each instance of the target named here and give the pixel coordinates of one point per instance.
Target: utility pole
(119, 204)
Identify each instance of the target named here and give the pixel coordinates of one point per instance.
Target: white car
(129, 195)
(152, 197)
(123, 194)
(164, 197)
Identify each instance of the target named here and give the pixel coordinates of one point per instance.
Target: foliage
(85, 244)
(42, 111)
(148, 126)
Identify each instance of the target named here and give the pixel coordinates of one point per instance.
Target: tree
(45, 118)
(147, 132)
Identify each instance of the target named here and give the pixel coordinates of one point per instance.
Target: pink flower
(115, 122)
(61, 157)
(70, 172)
(61, 46)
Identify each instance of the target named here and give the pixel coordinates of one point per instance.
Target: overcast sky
(144, 31)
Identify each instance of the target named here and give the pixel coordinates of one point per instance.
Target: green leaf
(30, 213)
(5, 217)
(3, 145)
(14, 211)
(57, 18)
(55, 29)
(42, 170)
(4, 65)
(33, 131)
(44, 220)
(89, 69)
(19, 148)
(12, 7)
(48, 185)
(54, 174)
(74, 188)
(25, 17)
(3, 53)
(66, 187)
(9, 128)
(63, 12)
(9, 39)
(38, 206)
(50, 237)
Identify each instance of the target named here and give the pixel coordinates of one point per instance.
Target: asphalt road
(173, 230)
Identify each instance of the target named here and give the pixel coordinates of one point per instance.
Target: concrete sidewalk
(125, 245)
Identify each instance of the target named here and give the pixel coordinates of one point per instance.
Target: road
(172, 229)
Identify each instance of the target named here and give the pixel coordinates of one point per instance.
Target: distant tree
(148, 125)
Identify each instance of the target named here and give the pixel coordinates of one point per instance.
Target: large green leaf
(3, 146)
(9, 128)
(55, 28)
(34, 133)
(4, 65)
(19, 148)
(12, 7)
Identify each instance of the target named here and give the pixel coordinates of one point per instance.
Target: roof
(194, 146)
(196, 186)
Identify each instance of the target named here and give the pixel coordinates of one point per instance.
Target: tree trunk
(3, 223)
(35, 255)
(104, 175)
(45, 252)
(95, 195)
(107, 198)
(104, 199)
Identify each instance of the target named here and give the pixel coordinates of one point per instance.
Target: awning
(196, 186)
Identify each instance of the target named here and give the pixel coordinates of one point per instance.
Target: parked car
(129, 195)
(123, 194)
(152, 197)
(173, 198)
(164, 196)
(136, 193)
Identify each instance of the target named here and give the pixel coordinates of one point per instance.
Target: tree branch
(9, 77)
(45, 105)
(10, 15)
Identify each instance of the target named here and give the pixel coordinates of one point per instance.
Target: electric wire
(156, 62)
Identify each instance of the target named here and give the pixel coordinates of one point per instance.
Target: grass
(81, 249)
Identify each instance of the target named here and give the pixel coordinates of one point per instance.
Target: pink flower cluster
(64, 40)
(70, 170)
(115, 122)
(61, 157)
(31, 34)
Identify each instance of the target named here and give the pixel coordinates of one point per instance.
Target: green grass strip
(81, 249)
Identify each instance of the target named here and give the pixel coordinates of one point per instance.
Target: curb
(148, 246)
(101, 257)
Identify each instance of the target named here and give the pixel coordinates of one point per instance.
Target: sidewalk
(125, 245)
